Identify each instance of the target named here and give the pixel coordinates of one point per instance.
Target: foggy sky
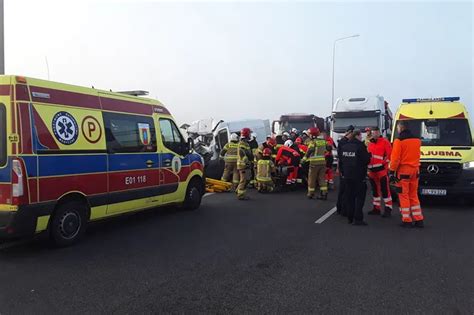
(246, 60)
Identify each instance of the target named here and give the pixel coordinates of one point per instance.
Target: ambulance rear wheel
(194, 194)
(68, 224)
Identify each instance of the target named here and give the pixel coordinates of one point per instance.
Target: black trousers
(340, 196)
(354, 196)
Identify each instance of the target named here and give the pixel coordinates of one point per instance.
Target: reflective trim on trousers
(311, 189)
(377, 156)
(323, 188)
(415, 207)
(416, 213)
(387, 199)
(377, 198)
(375, 165)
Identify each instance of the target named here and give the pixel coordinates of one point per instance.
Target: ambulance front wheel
(194, 194)
(68, 223)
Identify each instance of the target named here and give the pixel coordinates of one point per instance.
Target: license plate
(434, 192)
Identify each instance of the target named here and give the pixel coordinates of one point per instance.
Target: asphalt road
(265, 255)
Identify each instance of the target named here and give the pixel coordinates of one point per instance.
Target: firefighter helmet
(272, 142)
(234, 137)
(245, 133)
(299, 140)
(288, 143)
(314, 131)
(267, 152)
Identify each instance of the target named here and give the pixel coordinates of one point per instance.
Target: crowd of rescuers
(294, 158)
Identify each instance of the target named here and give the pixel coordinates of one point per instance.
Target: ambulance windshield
(441, 132)
(3, 135)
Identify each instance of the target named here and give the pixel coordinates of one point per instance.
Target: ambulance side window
(3, 135)
(129, 133)
(172, 138)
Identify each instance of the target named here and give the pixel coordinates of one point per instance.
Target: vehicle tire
(68, 224)
(194, 194)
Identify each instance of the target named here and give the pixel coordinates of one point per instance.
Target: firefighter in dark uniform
(340, 193)
(354, 161)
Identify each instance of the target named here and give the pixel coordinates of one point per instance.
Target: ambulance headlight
(468, 165)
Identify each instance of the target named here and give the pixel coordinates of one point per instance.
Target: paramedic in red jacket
(290, 157)
(380, 151)
(329, 159)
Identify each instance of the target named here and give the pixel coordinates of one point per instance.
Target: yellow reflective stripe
(264, 179)
(42, 223)
(10, 208)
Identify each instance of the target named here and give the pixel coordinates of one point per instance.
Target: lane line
(326, 215)
(208, 194)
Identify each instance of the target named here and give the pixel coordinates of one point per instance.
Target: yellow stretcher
(214, 185)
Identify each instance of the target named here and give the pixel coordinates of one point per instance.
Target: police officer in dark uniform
(340, 194)
(355, 159)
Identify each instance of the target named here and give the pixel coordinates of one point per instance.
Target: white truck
(360, 112)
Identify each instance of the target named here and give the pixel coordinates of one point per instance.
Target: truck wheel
(194, 194)
(68, 224)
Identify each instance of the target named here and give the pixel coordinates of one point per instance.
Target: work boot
(419, 224)
(374, 212)
(322, 196)
(406, 225)
(361, 223)
(243, 197)
(387, 213)
(310, 196)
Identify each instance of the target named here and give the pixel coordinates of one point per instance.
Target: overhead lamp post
(333, 62)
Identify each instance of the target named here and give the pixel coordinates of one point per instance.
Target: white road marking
(326, 215)
(208, 194)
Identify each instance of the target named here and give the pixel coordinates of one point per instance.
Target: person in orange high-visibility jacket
(404, 170)
(380, 151)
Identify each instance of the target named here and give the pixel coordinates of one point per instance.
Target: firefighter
(265, 169)
(287, 156)
(340, 194)
(353, 163)
(380, 151)
(301, 147)
(253, 167)
(305, 137)
(329, 159)
(317, 165)
(368, 136)
(404, 171)
(229, 153)
(270, 143)
(294, 133)
(244, 157)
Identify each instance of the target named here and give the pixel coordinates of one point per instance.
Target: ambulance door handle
(167, 162)
(149, 163)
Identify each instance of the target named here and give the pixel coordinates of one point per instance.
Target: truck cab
(360, 112)
(298, 121)
(447, 153)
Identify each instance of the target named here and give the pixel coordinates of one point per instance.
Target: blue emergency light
(436, 99)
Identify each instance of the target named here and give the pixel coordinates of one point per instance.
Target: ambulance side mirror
(190, 144)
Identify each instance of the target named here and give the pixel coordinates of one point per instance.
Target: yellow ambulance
(70, 155)
(447, 152)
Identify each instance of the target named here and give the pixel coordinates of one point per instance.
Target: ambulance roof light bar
(436, 99)
(135, 93)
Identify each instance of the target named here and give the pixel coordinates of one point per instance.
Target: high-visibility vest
(264, 170)
(231, 151)
(315, 153)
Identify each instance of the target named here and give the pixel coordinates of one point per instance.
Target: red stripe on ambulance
(52, 188)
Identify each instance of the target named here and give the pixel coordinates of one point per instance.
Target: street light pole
(333, 62)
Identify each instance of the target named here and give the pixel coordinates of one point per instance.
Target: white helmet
(288, 143)
(286, 134)
(253, 135)
(294, 130)
(234, 137)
